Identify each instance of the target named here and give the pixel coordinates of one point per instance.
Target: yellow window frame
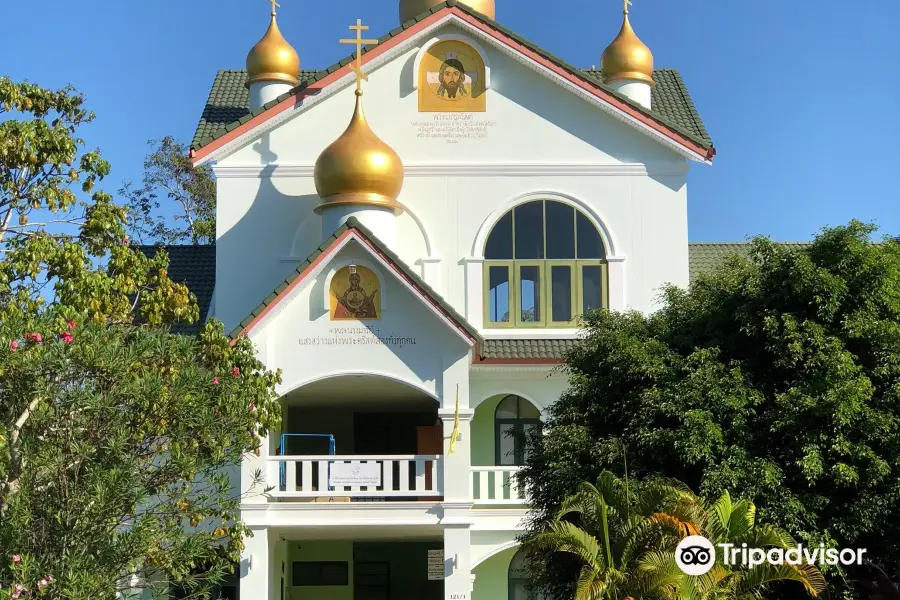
(604, 282)
(573, 292)
(542, 300)
(510, 269)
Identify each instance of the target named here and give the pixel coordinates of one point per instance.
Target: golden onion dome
(358, 168)
(627, 57)
(273, 59)
(410, 9)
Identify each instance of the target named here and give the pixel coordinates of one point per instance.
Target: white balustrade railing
(326, 476)
(496, 485)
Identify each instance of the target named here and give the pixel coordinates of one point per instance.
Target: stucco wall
(450, 191)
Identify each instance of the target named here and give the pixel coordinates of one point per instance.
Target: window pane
(498, 293)
(529, 222)
(507, 441)
(508, 408)
(560, 231)
(500, 243)
(527, 410)
(589, 243)
(561, 292)
(592, 287)
(530, 294)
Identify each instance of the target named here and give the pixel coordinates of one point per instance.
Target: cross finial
(275, 6)
(627, 4)
(358, 41)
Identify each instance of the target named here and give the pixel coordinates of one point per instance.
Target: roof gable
(353, 229)
(227, 116)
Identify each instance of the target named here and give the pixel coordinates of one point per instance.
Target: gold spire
(358, 168)
(409, 9)
(627, 57)
(273, 58)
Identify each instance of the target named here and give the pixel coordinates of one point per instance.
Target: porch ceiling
(364, 533)
(349, 391)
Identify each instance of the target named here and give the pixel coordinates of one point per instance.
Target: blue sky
(800, 97)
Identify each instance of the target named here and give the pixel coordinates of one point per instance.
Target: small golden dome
(627, 57)
(410, 9)
(273, 59)
(358, 168)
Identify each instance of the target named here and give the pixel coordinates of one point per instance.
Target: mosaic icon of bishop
(354, 301)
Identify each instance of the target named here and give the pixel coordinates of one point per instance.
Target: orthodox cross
(627, 4)
(358, 41)
(275, 6)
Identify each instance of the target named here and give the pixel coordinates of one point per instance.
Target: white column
(639, 91)
(249, 466)
(457, 466)
(431, 273)
(617, 291)
(475, 292)
(264, 92)
(256, 569)
(457, 563)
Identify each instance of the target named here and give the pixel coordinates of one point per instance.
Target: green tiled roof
(195, 267)
(228, 105)
(706, 257)
(526, 349)
(353, 223)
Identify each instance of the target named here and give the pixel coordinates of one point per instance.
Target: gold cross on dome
(275, 6)
(359, 41)
(627, 4)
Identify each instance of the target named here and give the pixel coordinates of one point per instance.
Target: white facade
(538, 139)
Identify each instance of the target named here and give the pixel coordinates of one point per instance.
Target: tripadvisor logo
(696, 555)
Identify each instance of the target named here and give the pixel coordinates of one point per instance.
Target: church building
(411, 235)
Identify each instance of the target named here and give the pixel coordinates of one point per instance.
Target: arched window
(545, 264)
(514, 419)
(518, 579)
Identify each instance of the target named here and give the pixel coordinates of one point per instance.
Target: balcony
(496, 485)
(329, 478)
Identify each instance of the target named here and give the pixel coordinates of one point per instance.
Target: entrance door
(371, 581)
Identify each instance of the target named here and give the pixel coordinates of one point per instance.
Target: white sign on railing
(355, 474)
(435, 565)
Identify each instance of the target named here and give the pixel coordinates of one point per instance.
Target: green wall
(492, 577)
(482, 428)
(340, 550)
(408, 567)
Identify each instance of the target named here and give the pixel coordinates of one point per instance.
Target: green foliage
(621, 543)
(118, 447)
(119, 441)
(190, 191)
(777, 375)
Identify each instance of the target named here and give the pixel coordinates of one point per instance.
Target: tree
(623, 542)
(115, 437)
(778, 375)
(614, 544)
(189, 191)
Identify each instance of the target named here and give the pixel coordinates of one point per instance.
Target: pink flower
(66, 337)
(34, 337)
(14, 345)
(71, 324)
(43, 583)
(19, 590)
(215, 381)
(16, 559)
(236, 372)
